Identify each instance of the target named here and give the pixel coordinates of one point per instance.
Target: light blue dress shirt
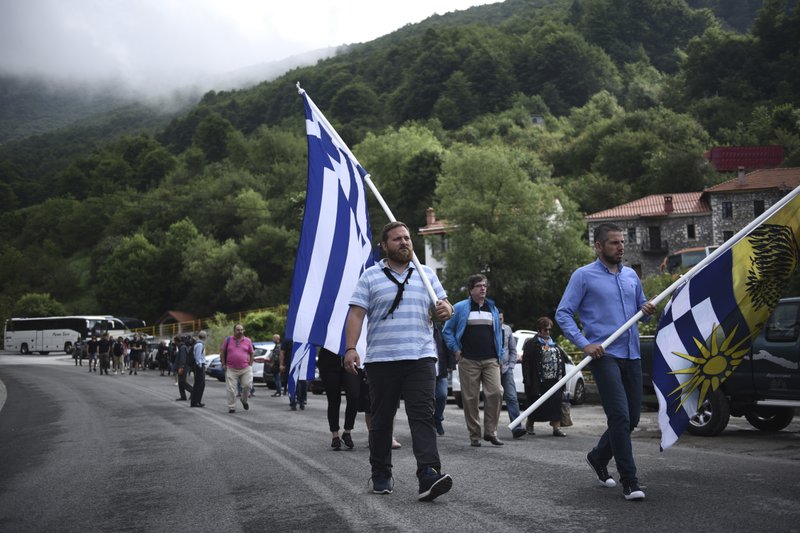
(603, 301)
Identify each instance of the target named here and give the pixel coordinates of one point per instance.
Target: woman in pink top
(236, 356)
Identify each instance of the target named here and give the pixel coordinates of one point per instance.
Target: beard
(612, 259)
(400, 255)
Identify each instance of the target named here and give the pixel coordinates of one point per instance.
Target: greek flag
(707, 328)
(335, 246)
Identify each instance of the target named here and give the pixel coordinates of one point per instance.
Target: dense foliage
(511, 119)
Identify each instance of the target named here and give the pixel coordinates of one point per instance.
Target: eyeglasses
(480, 286)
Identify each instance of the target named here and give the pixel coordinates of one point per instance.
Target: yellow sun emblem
(712, 367)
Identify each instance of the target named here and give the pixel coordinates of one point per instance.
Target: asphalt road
(84, 452)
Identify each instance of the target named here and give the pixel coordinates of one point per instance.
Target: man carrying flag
(708, 327)
(606, 295)
(400, 359)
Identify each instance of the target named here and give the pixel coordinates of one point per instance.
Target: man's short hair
(390, 226)
(475, 279)
(601, 232)
(202, 334)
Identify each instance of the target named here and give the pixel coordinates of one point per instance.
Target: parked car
(214, 367)
(576, 389)
(263, 358)
(765, 388)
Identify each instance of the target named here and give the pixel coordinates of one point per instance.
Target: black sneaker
(433, 484)
(382, 485)
(348, 440)
(245, 404)
(601, 471)
(439, 427)
(631, 491)
(336, 443)
(518, 433)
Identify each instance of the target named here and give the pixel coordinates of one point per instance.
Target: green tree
(128, 277)
(404, 165)
(35, 304)
(212, 135)
(524, 236)
(559, 64)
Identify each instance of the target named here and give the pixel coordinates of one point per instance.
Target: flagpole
(368, 181)
(655, 301)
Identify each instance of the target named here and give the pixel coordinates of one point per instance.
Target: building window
(727, 235)
(631, 235)
(758, 207)
(727, 209)
(655, 237)
(690, 232)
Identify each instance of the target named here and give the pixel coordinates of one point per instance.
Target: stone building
(659, 225)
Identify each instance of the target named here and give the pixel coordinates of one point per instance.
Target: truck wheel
(68, 347)
(23, 349)
(580, 393)
(712, 417)
(770, 418)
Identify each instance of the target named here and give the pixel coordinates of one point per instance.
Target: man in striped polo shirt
(400, 360)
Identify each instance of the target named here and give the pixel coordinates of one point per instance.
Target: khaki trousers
(472, 375)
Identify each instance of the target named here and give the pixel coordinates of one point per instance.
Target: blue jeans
(441, 398)
(619, 382)
(278, 384)
(510, 394)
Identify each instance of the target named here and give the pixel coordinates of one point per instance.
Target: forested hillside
(511, 119)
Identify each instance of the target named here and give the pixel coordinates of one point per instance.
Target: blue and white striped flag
(335, 245)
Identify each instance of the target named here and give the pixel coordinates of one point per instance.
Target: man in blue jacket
(474, 334)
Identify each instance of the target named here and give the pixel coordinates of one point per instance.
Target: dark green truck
(765, 388)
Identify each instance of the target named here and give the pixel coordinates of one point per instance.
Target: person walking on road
(475, 336)
(183, 367)
(606, 294)
(507, 364)
(400, 359)
(236, 356)
(199, 370)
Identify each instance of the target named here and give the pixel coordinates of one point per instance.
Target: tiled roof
(175, 316)
(730, 158)
(768, 178)
(683, 203)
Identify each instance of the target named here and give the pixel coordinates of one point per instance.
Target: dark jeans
(619, 382)
(182, 385)
(415, 380)
(300, 393)
(199, 385)
(334, 378)
(278, 385)
(441, 398)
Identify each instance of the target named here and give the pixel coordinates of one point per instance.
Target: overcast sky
(160, 42)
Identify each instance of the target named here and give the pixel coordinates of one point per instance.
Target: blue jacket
(453, 329)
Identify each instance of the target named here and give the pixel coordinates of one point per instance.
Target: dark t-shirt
(104, 346)
(286, 347)
(477, 343)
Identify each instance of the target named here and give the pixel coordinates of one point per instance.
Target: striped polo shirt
(407, 333)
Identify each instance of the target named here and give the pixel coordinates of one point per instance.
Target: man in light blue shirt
(605, 294)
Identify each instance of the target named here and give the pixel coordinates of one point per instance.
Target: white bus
(57, 333)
